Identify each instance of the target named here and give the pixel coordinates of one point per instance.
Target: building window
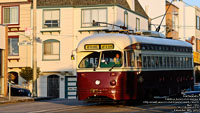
(13, 48)
(51, 19)
(11, 15)
(126, 19)
(197, 23)
(98, 15)
(137, 24)
(175, 22)
(51, 50)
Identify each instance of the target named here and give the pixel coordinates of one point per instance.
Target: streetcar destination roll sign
(98, 46)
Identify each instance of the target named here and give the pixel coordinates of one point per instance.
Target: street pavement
(75, 106)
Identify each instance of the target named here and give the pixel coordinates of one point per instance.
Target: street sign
(24, 43)
(28, 31)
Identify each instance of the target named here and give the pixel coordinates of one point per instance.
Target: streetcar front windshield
(90, 61)
(111, 59)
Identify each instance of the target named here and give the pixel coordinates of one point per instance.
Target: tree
(27, 73)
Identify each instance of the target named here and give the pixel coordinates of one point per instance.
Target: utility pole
(34, 62)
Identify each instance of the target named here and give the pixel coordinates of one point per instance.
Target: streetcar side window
(144, 62)
(90, 61)
(139, 61)
(131, 58)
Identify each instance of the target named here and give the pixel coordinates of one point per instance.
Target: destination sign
(107, 46)
(98, 46)
(91, 47)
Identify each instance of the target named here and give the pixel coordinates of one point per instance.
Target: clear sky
(193, 2)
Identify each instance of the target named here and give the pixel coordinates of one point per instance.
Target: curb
(24, 100)
(16, 101)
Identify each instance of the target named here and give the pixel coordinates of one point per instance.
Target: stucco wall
(155, 8)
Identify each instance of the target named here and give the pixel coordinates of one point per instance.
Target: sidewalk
(15, 99)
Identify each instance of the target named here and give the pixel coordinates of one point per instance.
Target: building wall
(197, 13)
(3, 60)
(182, 19)
(154, 9)
(170, 31)
(71, 33)
(15, 63)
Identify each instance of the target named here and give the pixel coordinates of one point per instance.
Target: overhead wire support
(158, 28)
(97, 24)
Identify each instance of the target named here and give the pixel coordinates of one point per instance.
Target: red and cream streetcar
(129, 67)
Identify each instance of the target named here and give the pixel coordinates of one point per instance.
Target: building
(189, 27)
(61, 25)
(172, 21)
(16, 14)
(3, 60)
(155, 9)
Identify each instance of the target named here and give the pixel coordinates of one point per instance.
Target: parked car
(17, 90)
(195, 92)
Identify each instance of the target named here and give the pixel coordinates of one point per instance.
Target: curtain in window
(51, 50)
(86, 16)
(47, 48)
(6, 12)
(102, 15)
(95, 15)
(13, 48)
(14, 15)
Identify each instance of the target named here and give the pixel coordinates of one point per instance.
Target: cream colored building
(16, 15)
(61, 26)
(3, 60)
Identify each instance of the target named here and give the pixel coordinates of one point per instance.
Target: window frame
(43, 17)
(126, 19)
(90, 9)
(43, 49)
(137, 20)
(197, 23)
(2, 13)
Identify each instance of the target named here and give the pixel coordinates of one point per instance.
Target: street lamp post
(34, 62)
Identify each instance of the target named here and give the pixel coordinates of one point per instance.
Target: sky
(193, 2)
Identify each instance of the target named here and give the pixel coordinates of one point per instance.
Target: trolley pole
(34, 62)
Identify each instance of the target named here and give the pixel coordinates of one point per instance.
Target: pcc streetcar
(130, 67)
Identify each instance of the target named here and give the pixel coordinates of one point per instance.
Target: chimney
(131, 3)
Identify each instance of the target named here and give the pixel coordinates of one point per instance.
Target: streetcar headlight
(113, 82)
(97, 82)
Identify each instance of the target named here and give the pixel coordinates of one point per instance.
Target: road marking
(47, 110)
(68, 107)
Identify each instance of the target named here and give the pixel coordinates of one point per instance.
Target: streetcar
(123, 67)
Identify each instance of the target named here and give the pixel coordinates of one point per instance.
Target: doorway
(53, 89)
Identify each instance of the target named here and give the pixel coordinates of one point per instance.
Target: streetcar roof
(121, 41)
